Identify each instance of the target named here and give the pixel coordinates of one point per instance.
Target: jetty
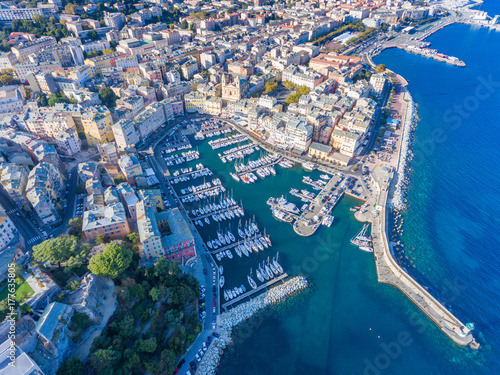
(206, 190)
(389, 272)
(226, 305)
(432, 54)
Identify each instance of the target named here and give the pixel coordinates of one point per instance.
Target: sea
(347, 323)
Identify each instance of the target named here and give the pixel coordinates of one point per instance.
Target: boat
(283, 216)
(222, 280)
(324, 177)
(259, 275)
(308, 166)
(244, 250)
(209, 244)
(234, 176)
(269, 272)
(221, 270)
(263, 272)
(368, 249)
(231, 236)
(221, 238)
(251, 281)
(229, 254)
(200, 223)
(226, 297)
(276, 264)
(230, 294)
(207, 220)
(237, 250)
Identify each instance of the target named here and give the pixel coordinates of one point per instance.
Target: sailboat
(251, 281)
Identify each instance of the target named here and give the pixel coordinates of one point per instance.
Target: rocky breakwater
(239, 314)
(398, 199)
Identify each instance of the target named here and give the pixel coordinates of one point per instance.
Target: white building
(298, 134)
(11, 99)
(68, 142)
(125, 134)
(7, 230)
(267, 101)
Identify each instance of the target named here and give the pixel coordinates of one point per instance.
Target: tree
(270, 87)
(75, 222)
(111, 262)
(167, 363)
(43, 100)
(69, 8)
(72, 366)
(6, 79)
(119, 179)
(108, 97)
(93, 35)
(380, 68)
(56, 250)
(133, 237)
(184, 24)
(102, 359)
(148, 346)
(107, 51)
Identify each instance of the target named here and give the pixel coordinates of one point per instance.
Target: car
(198, 358)
(209, 339)
(181, 363)
(215, 334)
(201, 353)
(213, 310)
(192, 364)
(214, 326)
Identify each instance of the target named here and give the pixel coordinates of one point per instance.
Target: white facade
(125, 134)
(7, 230)
(68, 142)
(10, 99)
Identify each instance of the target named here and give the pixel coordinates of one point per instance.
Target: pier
(262, 166)
(389, 272)
(171, 176)
(203, 191)
(234, 244)
(209, 215)
(253, 291)
(431, 55)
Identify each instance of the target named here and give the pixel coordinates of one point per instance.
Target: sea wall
(242, 312)
(398, 197)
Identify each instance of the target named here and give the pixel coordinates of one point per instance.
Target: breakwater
(228, 320)
(398, 199)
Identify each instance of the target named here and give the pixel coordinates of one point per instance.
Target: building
(114, 20)
(11, 99)
(68, 142)
(213, 105)
(150, 119)
(48, 123)
(302, 77)
(7, 230)
(178, 242)
(43, 191)
(109, 152)
(46, 83)
(88, 171)
(233, 88)
(23, 50)
(298, 135)
(344, 141)
(148, 229)
(130, 167)
(125, 134)
(189, 69)
(378, 83)
(97, 122)
(194, 102)
(14, 179)
(319, 150)
(24, 365)
(110, 221)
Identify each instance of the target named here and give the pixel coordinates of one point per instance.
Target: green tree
(119, 179)
(133, 237)
(111, 262)
(184, 24)
(93, 35)
(75, 222)
(103, 359)
(72, 366)
(56, 250)
(108, 97)
(148, 346)
(101, 238)
(167, 363)
(270, 87)
(69, 8)
(74, 285)
(42, 99)
(380, 68)
(6, 79)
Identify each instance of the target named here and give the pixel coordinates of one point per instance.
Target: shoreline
(230, 319)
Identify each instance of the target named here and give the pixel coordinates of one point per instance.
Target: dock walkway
(254, 169)
(253, 291)
(389, 272)
(202, 191)
(171, 177)
(209, 215)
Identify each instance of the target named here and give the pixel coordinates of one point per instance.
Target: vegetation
(23, 291)
(299, 91)
(40, 26)
(270, 87)
(380, 68)
(108, 97)
(79, 323)
(112, 261)
(63, 249)
(350, 26)
(75, 226)
(119, 179)
(6, 76)
(153, 325)
(72, 366)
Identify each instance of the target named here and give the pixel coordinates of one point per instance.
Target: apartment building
(97, 122)
(14, 179)
(110, 221)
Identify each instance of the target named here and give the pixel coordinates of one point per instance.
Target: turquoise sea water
(352, 325)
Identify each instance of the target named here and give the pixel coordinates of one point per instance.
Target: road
(22, 222)
(156, 162)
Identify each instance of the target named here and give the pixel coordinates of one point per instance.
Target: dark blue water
(451, 226)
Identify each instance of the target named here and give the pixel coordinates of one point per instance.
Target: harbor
(433, 54)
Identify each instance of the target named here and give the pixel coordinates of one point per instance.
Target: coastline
(230, 319)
